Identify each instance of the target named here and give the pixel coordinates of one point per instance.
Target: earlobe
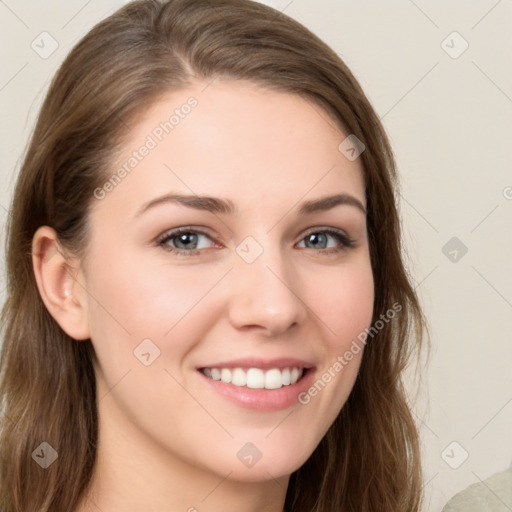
(57, 278)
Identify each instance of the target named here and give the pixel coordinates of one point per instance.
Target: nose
(266, 294)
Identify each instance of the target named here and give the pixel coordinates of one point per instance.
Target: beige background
(449, 117)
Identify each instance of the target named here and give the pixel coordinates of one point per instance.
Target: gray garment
(491, 495)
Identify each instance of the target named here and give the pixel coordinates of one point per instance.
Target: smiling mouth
(256, 378)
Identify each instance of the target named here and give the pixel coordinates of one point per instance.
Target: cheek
(142, 309)
(342, 301)
(346, 307)
(145, 300)
(135, 301)
(345, 311)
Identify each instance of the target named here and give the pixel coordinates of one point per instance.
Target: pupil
(315, 239)
(186, 239)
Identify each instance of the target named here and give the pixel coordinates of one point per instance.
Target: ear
(60, 283)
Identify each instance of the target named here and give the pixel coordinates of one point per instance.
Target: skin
(167, 441)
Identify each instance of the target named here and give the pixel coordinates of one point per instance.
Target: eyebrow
(226, 207)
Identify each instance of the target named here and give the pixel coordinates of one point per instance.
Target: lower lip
(262, 399)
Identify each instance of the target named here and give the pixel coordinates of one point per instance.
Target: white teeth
(255, 378)
(273, 379)
(285, 375)
(296, 374)
(239, 377)
(225, 375)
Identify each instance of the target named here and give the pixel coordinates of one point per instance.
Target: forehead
(235, 140)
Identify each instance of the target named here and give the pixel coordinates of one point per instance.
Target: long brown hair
(369, 460)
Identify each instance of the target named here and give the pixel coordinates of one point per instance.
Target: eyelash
(345, 241)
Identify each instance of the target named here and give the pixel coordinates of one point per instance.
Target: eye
(185, 241)
(319, 238)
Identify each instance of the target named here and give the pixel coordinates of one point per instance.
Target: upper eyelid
(186, 229)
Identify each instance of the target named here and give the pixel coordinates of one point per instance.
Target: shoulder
(491, 495)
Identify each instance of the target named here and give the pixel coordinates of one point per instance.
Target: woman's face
(265, 288)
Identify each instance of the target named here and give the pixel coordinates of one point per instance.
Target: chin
(254, 465)
(261, 472)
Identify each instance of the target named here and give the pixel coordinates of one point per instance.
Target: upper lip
(264, 364)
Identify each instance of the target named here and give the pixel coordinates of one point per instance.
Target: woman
(176, 335)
